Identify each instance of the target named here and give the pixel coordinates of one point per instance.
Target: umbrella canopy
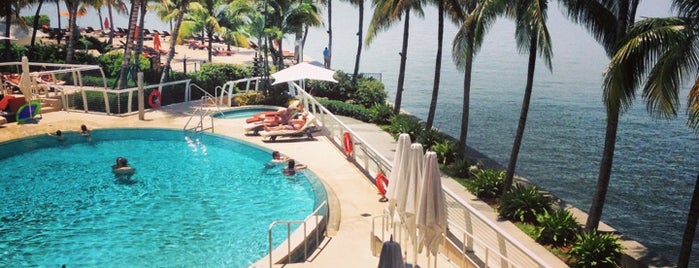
(303, 71)
(398, 171)
(391, 255)
(25, 82)
(80, 13)
(432, 212)
(156, 42)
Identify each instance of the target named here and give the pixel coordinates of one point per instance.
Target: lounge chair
(307, 129)
(166, 33)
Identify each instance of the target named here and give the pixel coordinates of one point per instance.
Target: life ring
(381, 184)
(347, 142)
(154, 99)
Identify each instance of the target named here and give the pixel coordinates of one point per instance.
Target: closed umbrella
(156, 42)
(432, 213)
(398, 171)
(106, 23)
(25, 84)
(391, 256)
(408, 193)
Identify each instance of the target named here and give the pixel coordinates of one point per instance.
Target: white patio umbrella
(25, 83)
(408, 191)
(398, 172)
(303, 71)
(391, 255)
(432, 212)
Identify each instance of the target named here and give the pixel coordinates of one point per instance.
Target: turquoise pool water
(245, 112)
(196, 200)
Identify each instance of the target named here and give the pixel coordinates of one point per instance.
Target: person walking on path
(326, 57)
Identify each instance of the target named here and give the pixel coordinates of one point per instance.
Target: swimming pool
(245, 111)
(195, 200)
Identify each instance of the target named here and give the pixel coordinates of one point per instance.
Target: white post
(141, 108)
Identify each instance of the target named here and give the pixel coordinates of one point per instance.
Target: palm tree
(35, 23)
(467, 42)
(607, 21)
(532, 35)
(166, 10)
(456, 12)
(233, 19)
(386, 12)
(72, 6)
(182, 4)
(661, 52)
(286, 17)
(125, 63)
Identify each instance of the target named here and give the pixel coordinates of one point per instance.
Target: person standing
(326, 57)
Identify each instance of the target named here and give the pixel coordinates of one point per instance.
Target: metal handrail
(230, 85)
(288, 224)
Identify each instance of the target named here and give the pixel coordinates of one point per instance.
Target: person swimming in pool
(122, 166)
(292, 167)
(84, 131)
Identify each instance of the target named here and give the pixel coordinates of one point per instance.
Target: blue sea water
(655, 165)
(194, 201)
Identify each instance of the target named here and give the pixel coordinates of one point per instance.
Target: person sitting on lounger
(293, 124)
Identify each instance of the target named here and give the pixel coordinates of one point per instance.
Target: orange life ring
(381, 183)
(347, 142)
(154, 99)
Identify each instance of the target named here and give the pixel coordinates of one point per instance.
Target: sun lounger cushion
(310, 120)
(5, 101)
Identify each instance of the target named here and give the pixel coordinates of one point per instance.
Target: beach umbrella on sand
(432, 213)
(391, 256)
(408, 191)
(25, 84)
(398, 171)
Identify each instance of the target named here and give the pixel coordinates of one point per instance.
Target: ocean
(655, 164)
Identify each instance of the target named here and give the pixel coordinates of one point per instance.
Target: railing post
(141, 112)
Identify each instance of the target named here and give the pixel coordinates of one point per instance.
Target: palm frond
(597, 17)
(693, 107)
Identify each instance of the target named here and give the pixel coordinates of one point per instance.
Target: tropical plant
(557, 228)
(523, 203)
(593, 249)
(658, 54)
(486, 183)
(381, 113)
(386, 12)
(201, 17)
(403, 123)
(126, 63)
(182, 5)
(446, 150)
(360, 33)
(370, 92)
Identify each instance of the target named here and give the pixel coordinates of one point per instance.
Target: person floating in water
(58, 134)
(122, 166)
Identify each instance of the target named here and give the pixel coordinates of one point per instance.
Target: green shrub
(486, 183)
(381, 114)
(557, 228)
(370, 93)
(212, 75)
(523, 203)
(595, 250)
(111, 63)
(343, 90)
(251, 98)
(346, 109)
(447, 151)
(430, 137)
(405, 124)
(460, 168)
(43, 20)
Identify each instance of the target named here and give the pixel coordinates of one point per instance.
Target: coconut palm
(360, 30)
(467, 42)
(386, 12)
(126, 62)
(285, 17)
(607, 21)
(454, 9)
(73, 7)
(201, 18)
(166, 10)
(182, 5)
(658, 54)
(532, 36)
(233, 19)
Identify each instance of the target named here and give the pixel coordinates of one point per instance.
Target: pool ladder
(202, 112)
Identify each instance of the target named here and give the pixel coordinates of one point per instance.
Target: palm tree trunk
(173, 41)
(35, 23)
(72, 26)
(210, 35)
(133, 17)
(359, 41)
(605, 170)
(466, 105)
(99, 15)
(139, 42)
(58, 15)
(509, 175)
(403, 57)
(330, 30)
(7, 52)
(437, 65)
(690, 228)
(111, 23)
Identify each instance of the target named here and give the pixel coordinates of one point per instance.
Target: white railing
(228, 90)
(473, 226)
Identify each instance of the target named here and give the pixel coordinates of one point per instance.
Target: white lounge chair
(306, 129)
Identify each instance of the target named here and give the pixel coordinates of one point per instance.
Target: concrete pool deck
(347, 246)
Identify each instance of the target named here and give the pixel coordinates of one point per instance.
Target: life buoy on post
(154, 99)
(381, 184)
(347, 142)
